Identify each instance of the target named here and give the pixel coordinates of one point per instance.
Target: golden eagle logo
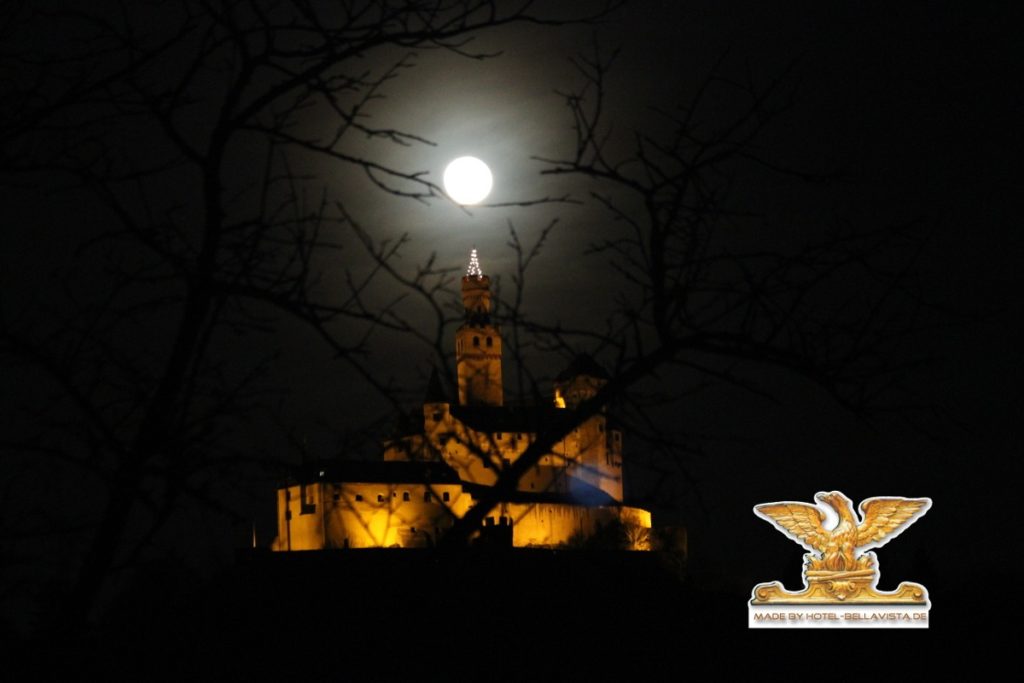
(838, 568)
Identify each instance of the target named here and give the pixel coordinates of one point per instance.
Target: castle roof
(378, 471)
(407, 424)
(582, 493)
(491, 419)
(583, 364)
(435, 391)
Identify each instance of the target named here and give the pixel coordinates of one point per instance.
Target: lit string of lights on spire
(474, 265)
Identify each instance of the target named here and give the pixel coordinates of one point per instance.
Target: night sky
(904, 113)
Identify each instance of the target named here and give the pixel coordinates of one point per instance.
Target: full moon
(467, 180)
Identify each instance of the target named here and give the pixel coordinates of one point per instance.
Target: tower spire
(474, 269)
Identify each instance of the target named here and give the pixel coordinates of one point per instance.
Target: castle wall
(371, 515)
(587, 454)
(299, 522)
(554, 524)
(477, 457)
(366, 515)
(594, 458)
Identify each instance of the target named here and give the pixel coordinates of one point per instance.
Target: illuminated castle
(431, 472)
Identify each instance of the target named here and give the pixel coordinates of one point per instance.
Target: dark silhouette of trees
(182, 121)
(138, 395)
(698, 304)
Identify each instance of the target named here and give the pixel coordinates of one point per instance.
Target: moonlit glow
(467, 180)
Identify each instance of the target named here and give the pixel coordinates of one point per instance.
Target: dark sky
(914, 106)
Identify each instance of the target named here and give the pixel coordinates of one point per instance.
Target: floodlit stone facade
(453, 450)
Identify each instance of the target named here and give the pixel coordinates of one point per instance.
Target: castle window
(427, 497)
(337, 496)
(380, 497)
(405, 495)
(437, 416)
(476, 341)
(490, 342)
(307, 504)
(600, 427)
(445, 496)
(498, 436)
(359, 496)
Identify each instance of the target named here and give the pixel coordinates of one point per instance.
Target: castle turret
(478, 342)
(594, 448)
(579, 382)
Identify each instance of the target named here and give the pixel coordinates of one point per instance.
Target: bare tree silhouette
(697, 305)
(183, 121)
(140, 395)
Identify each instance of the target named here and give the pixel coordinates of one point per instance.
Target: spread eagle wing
(886, 518)
(800, 521)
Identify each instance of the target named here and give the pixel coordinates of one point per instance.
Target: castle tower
(596, 448)
(478, 343)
